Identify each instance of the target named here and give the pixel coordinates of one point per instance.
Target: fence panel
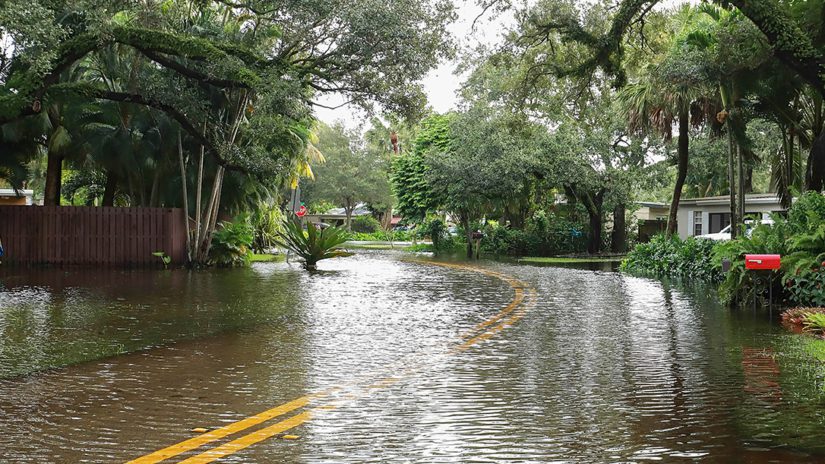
(87, 235)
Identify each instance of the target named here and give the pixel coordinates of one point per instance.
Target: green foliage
(365, 224)
(815, 322)
(794, 318)
(800, 240)
(232, 242)
(350, 175)
(544, 235)
(673, 257)
(314, 245)
(266, 221)
(320, 206)
(420, 248)
(410, 174)
(764, 239)
(382, 236)
(164, 258)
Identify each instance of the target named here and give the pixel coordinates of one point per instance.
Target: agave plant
(315, 244)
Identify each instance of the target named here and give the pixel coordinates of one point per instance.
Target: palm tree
(654, 105)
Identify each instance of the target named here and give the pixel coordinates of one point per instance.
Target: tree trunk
(594, 237)
(109, 189)
(465, 222)
(185, 201)
(54, 174)
(681, 170)
(386, 220)
(815, 171)
(740, 183)
(153, 197)
(348, 208)
(618, 239)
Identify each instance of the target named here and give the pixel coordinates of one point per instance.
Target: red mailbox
(763, 262)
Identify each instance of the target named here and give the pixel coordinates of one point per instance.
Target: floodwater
(382, 357)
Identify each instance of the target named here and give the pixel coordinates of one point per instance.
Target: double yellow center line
(523, 299)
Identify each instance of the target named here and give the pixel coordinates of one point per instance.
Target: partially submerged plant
(312, 245)
(164, 258)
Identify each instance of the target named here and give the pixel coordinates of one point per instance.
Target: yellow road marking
(506, 323)
(227, 430)
(294, 421)
(248, 440)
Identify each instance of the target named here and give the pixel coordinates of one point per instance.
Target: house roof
(652, 204)
(750, 199)
(7, 192)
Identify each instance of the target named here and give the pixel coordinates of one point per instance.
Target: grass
(584, 260)
(266, 258)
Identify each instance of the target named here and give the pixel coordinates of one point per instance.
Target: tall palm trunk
(727, 120)
(54, 173)
(681, 168)
(109, 189)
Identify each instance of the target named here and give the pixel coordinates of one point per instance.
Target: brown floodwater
(409, 362)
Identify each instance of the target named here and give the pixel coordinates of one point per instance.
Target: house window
(718, 221)
(697, 223)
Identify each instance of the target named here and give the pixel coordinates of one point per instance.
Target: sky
(441, 84)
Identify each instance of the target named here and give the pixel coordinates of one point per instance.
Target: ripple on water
(604, 368)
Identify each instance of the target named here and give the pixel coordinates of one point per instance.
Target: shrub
(231, 243)
(382, 236)
(266, 223)
(320, 207)
(543, 235)
(365, 224)
(800, 240)
(671, 257)
(795, 319)
(314, 245)
(436, 230)
(814, 322)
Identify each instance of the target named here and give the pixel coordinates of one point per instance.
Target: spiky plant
(314, 245)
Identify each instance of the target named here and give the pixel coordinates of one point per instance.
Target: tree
(350, 175)
(672, 91)
(410, 174)
(603, 45)
(238, 80)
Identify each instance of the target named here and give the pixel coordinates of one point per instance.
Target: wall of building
(685, 216)
(13, 201)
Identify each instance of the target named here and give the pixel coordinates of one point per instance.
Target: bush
(314, 244)
(543, 235)
(805, 319)
(320, 207)
(365, 224)
(231, 243)
(382, 236)
(436, 230)
(800, 240)
(672, 257)
(266, 223)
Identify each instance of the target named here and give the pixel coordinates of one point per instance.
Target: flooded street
(384, 357)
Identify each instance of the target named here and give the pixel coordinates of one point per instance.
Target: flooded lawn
(382, 358)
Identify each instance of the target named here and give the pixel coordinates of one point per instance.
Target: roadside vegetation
(799, 284)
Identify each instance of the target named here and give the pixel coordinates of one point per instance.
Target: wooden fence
(101, 236)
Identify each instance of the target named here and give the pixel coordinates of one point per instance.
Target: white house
(651, 218)
(699, 216)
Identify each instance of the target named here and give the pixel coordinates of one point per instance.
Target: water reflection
(606, 367)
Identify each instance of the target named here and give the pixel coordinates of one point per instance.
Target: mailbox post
(769, 263)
